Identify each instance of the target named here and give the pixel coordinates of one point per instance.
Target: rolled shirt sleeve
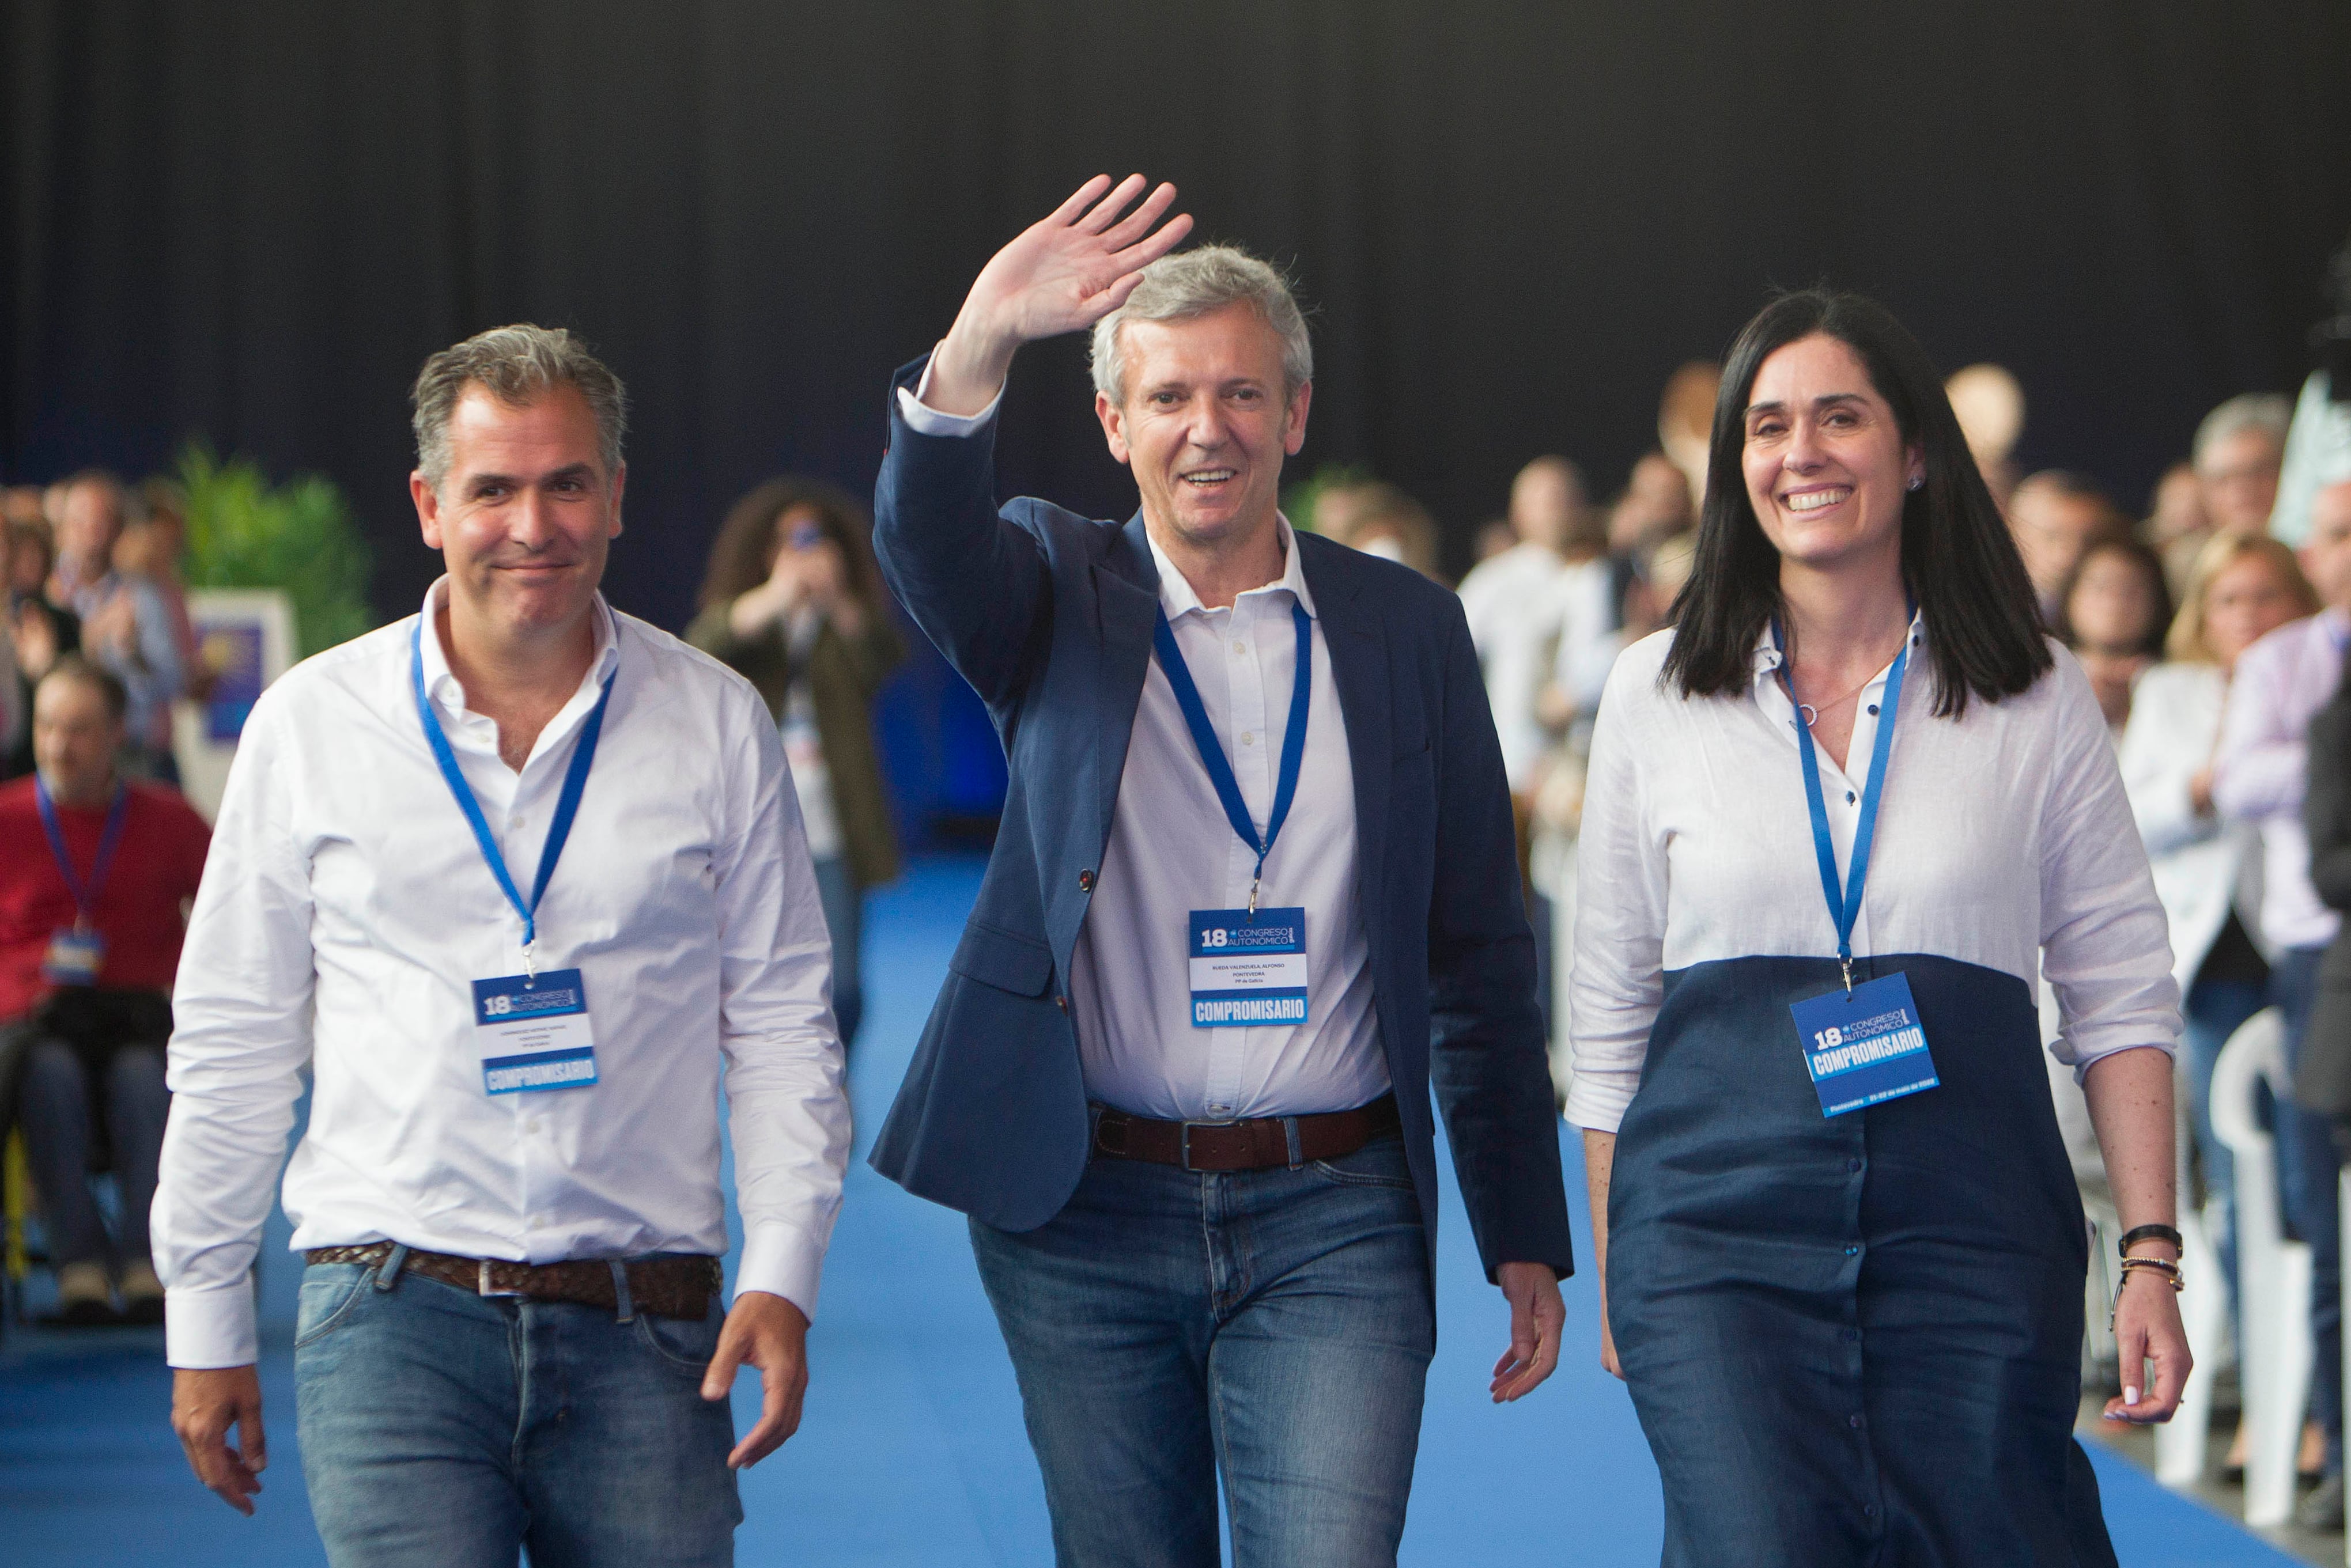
(2105, 947)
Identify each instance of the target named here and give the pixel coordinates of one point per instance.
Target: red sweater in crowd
(156, 868)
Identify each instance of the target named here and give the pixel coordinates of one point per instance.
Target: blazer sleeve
(2326, 804)
(1486, 1037)
(973, 580)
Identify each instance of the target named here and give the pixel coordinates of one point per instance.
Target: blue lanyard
(1844, 907)
(566, 804)
(1212, 749)
(84, 895)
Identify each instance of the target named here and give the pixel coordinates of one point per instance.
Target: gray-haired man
(1255, 886)
(510, 1333)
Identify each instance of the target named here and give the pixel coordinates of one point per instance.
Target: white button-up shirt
(1171, 851)
(2004, 839)
(2263, 760)
(346, 911)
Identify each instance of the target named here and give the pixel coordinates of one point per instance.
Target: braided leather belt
(676, 1285)
(1255, 1145)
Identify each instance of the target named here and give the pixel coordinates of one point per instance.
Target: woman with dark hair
(794, 601)
(2113, 612)
(1839, 820)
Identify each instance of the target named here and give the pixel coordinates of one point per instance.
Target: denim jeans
(2308, 1170)
(1274, 1325)
(844, 921)
(444, 1429)
(55, 1108)
(2212, 1012)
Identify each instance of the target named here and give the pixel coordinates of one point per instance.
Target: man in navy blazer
(1255, 889)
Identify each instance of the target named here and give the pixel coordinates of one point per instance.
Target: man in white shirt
(510, 1334)
(1254, 891)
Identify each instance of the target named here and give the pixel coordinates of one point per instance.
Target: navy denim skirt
(1853, 1340)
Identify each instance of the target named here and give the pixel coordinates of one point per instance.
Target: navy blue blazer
(1049, 616)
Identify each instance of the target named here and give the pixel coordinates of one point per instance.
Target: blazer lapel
(1126, 595)
(1359, 667)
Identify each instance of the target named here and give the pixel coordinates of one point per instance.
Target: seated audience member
(2113, 614)
(1653, 513)
(794, 602)
(32, 556)
(2054, 517)
(126, 625)
(95, 875)
(1989, 403)
(2241, 589)
(150, 548)
(2258, 776)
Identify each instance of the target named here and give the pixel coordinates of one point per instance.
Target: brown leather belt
(1256, 1145)
(678, 1285)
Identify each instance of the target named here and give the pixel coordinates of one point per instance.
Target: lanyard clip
(530, 961)
(1252, 907)
(1845, 959)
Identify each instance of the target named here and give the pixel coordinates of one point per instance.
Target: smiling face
(1824, 457)
(2247, 599)
(525, 514)
(1204, 423)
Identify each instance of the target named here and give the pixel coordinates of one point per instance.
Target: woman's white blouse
(2204, 865)
(2004, 839)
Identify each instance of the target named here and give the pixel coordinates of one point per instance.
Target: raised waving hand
(1060, 274)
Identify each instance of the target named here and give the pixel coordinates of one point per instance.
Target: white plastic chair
(2273, 1274)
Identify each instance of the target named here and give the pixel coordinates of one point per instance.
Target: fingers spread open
(1079, 200)
(1106, 211)
(1150, 248)
(1137, 224)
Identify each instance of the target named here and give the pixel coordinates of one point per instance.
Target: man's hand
(770, 1333)
(1058, 275)
(1537, 1316)
(205, 1403)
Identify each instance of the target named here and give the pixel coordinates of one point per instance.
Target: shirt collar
(1176, 598)
(1768, 656)
(443, 685)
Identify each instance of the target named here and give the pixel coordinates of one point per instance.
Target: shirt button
(1853, 1252)
(1086, 881)
(1248, 737)
(1062, 1003)
(1241, 648)
(1869, 1510)
(1873, 709)
(1853, 1165)
(1853, 1421)
(1848, 797)
(1851, 1334)
(534, 1124)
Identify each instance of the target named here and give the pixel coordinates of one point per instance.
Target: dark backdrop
(251, 219)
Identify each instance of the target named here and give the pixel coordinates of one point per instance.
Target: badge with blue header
(535, 1033)
(1247, 968)
(1864, 1046)
(1862, 1043)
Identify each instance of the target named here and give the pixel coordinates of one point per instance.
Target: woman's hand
(2148, 1329)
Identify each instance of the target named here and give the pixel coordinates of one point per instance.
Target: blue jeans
(53, 1109)
(2308, 1170)
(2212, 1012)
(1275, 1325)
(445, 1429)
(844, 921)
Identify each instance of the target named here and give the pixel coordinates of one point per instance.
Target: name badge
(535, 1033)
(1866, 1047)
(74, 957)
(1248, 968)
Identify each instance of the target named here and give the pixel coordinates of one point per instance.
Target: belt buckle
(1186, 1145)
(482, 1282)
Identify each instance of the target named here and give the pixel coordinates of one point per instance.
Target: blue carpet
(912, 1450)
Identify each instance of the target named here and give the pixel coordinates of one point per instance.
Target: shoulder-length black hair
(1984, 636)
